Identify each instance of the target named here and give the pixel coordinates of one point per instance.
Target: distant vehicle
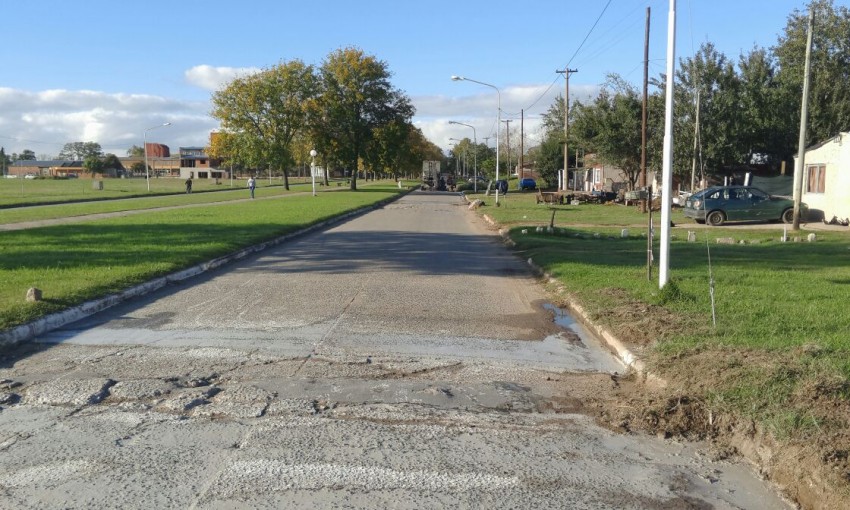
(720, 204)
(481, 180)
(502, 186)
(527, 183)
(30, 176)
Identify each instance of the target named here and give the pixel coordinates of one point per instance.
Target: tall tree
(80, 150)
(94, 165)
(759, 105)
(610, 126)
(5, 160)
(265, 111)
(829, 94)
(355, 99)
(111, 162)
(723, 125)
(136, 152)
(25, 155)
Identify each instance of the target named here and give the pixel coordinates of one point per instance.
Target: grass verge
(779, 354)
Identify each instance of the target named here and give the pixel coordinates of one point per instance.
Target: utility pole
(521, 145)
(642, 182)
(508, 129)
(804, 114)
(566, 72)
(643, 187)
(696, 145)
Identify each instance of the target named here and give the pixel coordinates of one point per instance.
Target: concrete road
(403, 359)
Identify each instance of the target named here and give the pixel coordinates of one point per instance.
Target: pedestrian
(189, 185)
(251, 185)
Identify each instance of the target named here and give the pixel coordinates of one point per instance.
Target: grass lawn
(64, 210)
(780, 350)
(76, 262)
(17, 192)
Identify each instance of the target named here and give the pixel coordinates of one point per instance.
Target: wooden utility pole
(508, 141)
(566, 72)
(696, 146)
(521, 145)
(642, 181)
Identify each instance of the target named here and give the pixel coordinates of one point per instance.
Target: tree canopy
(80, 150)
(355, 102)
(264, 111)
(749, 109)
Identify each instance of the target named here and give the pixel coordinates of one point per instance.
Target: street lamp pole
(313, 154)
(145, 145)
(474, 154)
(498, 124)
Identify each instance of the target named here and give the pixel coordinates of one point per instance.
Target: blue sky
(105, 71)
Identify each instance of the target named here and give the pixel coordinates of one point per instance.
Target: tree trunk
(286, 179)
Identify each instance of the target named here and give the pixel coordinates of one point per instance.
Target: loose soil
(810, 464)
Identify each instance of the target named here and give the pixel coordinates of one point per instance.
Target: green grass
(76, 262)
(18, 192)
(64, 210)
(781, 308)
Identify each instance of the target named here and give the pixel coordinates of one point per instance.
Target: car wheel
(715, 218)
(788, 216)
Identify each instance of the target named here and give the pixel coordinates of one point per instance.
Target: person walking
(251, 185)
(189, 185)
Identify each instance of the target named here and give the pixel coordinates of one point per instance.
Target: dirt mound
(814, 472)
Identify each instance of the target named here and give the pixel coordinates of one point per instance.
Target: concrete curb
(26, 332)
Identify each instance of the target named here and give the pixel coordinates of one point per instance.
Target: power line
(571, 58)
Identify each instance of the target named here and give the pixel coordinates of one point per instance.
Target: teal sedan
(720, 204)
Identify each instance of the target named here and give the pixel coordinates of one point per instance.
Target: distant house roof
(49, 163)
(819, 145)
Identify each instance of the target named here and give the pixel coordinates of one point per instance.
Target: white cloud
(214, 78)
(433, 113)
(45, 121)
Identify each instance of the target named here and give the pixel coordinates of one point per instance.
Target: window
(816, 182)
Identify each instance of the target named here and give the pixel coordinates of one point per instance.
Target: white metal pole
(667, 159)
(145, 142)
(313, 169)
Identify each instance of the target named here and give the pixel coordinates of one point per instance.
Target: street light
(313, 155)
(474, 154)
(145, 137)
(465, 151)
(498, 124)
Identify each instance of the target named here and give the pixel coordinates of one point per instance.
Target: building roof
(49, 163)
(829, 140)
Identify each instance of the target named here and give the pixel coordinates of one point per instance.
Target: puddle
(587, 339)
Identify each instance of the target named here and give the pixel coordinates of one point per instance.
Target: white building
(826, 178)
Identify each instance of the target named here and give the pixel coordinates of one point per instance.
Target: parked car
(30, 176)
(527, 183)
(720, 204)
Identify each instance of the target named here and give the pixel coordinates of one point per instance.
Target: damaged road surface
(402, 359)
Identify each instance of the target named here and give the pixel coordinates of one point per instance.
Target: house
(597, 176)
(196, 164)
(826, 178)
(48, 168)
